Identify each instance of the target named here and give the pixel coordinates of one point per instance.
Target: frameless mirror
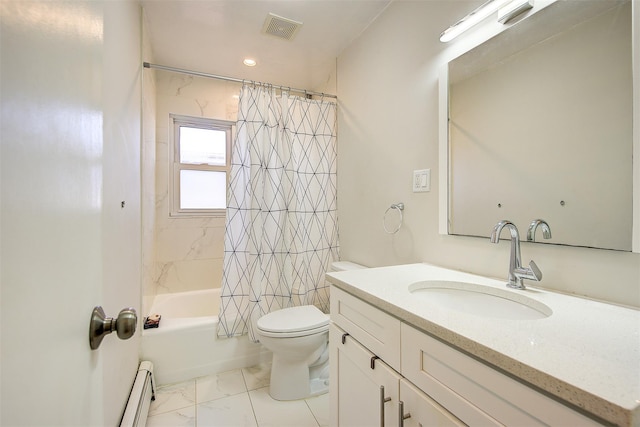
(540, 125)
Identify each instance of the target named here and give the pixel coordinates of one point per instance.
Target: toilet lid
(293, 319)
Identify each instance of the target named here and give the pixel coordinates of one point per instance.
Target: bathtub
(186, 345)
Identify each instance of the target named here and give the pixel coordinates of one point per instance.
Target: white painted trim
(175, 121)
(635, 32)
(443, 150)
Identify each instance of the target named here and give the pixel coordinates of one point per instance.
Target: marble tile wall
(188, 251)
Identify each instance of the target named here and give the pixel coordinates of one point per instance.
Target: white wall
(388, 126)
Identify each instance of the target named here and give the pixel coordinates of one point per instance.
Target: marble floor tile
(319, 406)
(232, 411)
(185, 417)
(235, 398)
(173, 396)
(257, 376)
(274, 413)
(219, 385)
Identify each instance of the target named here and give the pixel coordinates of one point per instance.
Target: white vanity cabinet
(419, 410)
(475, 392)
(364, 342)
(370, 326)
(432, 382)
(367, 390)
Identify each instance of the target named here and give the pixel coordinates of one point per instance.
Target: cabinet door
(373, 328)
(421, 410)
(355, 387)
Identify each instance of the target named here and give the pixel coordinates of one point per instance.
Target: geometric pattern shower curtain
(282, 226)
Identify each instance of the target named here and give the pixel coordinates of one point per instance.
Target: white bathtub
(186, 346)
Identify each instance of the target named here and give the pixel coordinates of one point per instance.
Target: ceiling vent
(281, 27)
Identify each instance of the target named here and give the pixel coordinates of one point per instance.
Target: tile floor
(233, 399)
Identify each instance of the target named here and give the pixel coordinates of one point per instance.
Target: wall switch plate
(421, 180)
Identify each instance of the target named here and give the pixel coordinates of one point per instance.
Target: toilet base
(319, 386)
(290, 381)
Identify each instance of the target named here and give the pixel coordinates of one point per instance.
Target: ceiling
(214, 36)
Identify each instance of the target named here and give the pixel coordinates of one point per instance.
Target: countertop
(586, 353)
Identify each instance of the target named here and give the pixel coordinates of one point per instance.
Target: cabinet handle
(383, 400)
(401, 415)
(373, 362)
(344, 337)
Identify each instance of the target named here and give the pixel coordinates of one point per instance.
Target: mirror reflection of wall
(546, 132)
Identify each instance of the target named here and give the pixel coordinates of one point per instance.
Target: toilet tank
(345, 265)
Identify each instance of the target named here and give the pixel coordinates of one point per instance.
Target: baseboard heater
(142, 393)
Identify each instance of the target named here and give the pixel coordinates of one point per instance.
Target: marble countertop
(586, 353)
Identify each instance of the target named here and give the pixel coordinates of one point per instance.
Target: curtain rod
(232, 79)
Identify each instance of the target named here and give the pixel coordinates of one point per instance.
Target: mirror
(540, 125)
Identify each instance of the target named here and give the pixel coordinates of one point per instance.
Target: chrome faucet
(531, 233)
(516, 271)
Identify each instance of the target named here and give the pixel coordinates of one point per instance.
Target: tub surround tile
(189, 243)
(166, 222)
(227, 411)
(273, 413)
(173, 396)
(179, 241)
(190, 275)
(220, 385)
(163, 274)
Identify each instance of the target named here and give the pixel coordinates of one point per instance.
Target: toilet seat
(293, 322)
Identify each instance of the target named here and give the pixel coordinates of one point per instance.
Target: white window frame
(176, 121)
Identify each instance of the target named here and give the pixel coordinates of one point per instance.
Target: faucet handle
(531, 273)
(535, 271)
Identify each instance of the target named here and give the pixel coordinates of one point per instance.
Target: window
(200, 166)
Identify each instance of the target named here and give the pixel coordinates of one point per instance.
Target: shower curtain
(282, 226)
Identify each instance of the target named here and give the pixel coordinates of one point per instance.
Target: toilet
(298, 337)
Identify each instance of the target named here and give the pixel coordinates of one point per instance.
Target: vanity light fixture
(513, 9)
(472, 19)
(249, 62)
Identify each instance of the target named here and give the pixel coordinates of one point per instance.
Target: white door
(70, 144)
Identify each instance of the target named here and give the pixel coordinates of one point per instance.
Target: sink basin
(480, 300)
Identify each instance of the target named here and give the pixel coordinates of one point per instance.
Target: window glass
(200, 165)
(202, 189)
(202, 146)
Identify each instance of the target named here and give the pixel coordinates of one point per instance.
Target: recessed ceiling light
(249, 62)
